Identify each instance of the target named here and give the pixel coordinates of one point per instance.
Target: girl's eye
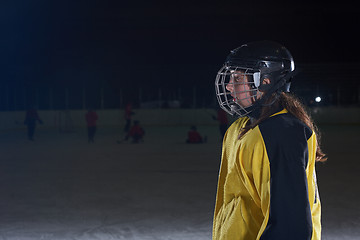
(238, 78)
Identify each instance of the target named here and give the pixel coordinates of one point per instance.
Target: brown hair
(296, 108)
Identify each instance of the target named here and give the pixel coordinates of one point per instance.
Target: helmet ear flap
(264, 87)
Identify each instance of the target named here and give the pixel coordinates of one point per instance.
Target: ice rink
(60, 187)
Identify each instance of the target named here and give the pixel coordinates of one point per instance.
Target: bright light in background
(318, 99)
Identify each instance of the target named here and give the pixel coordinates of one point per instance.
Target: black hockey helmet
(256, 61)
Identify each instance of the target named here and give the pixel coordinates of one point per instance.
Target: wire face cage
(237, 88)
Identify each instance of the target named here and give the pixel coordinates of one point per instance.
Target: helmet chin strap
(260, 102)
(276, 88)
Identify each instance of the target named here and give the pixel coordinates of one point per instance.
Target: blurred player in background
(127, 115)
(223, 122)
(267, 185)
(91, 117)
(194, 136)
(31, 118)
(136, 133)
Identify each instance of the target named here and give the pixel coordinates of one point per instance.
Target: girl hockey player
(267, 182)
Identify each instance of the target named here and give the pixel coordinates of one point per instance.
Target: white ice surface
(60, 187)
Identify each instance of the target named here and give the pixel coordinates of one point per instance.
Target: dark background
(78, 54)
(115, 51)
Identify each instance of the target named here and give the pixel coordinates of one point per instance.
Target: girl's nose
(230, 86)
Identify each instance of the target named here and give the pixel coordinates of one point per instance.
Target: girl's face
(240, 89)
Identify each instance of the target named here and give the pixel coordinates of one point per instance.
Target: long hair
(296, 108)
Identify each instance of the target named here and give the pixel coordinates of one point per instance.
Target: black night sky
(152, 44)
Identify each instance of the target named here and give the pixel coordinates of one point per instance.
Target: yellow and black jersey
(267, 183)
